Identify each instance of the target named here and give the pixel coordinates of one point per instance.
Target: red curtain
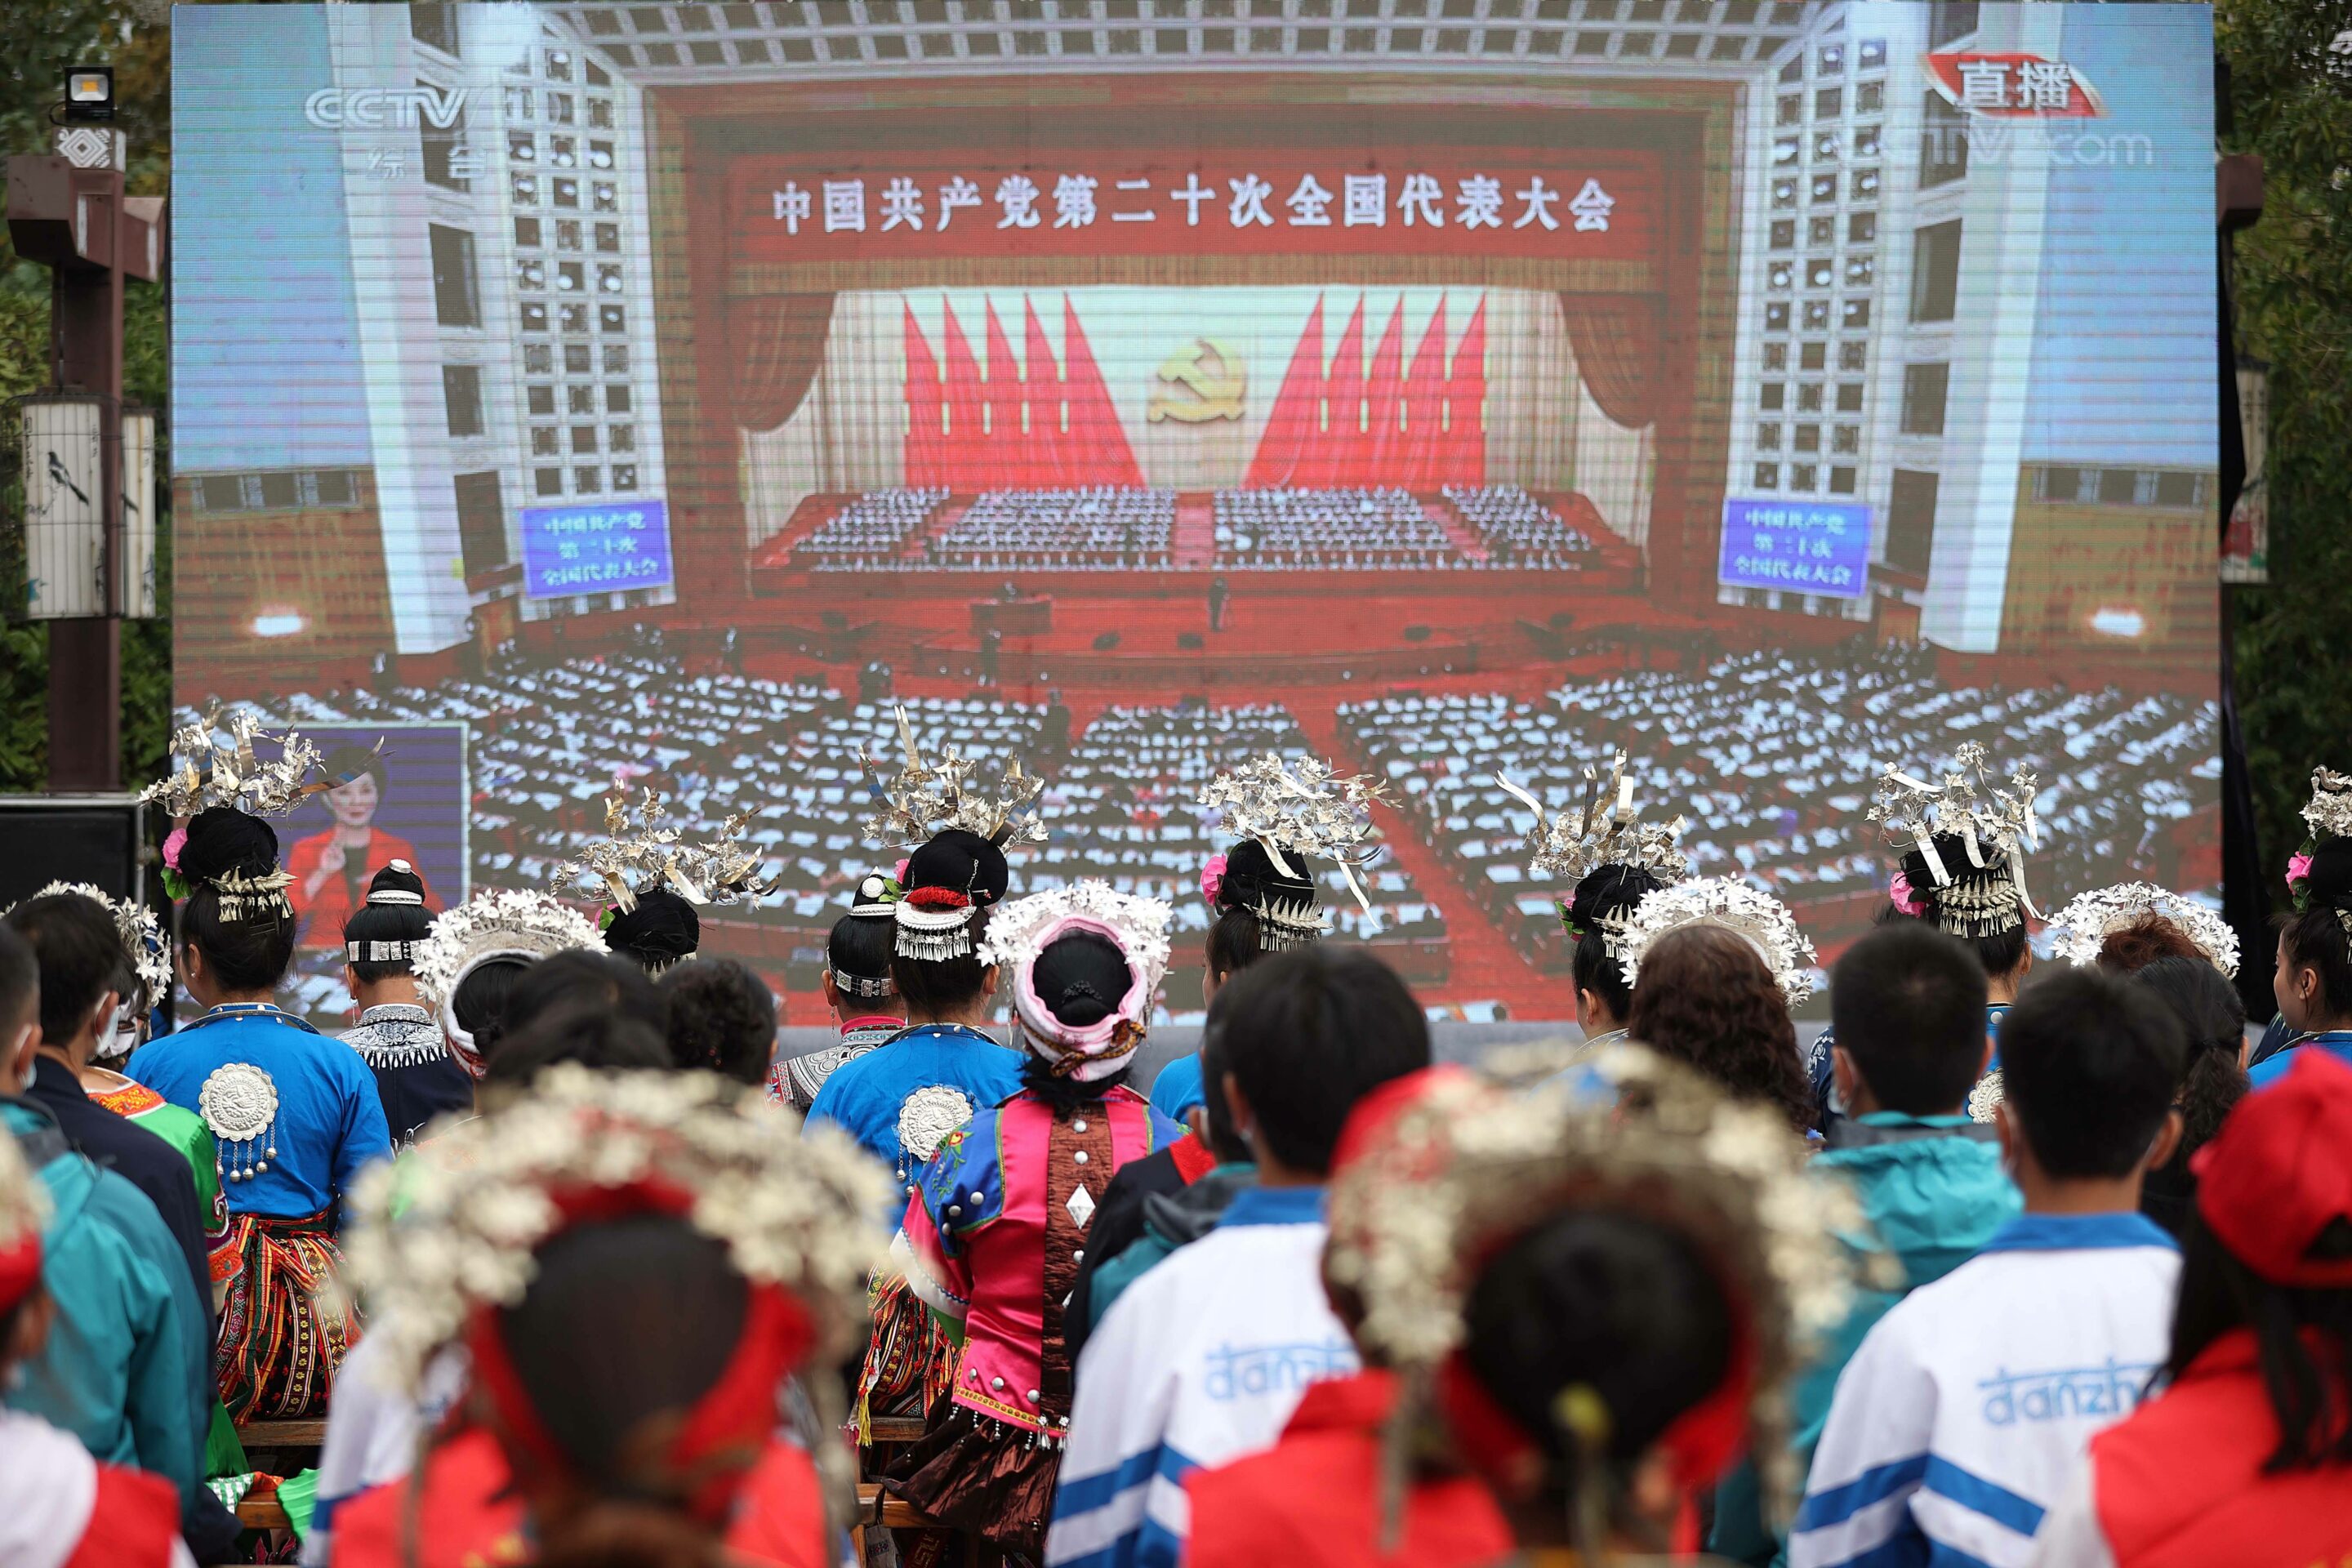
(779, 346)
(1617, 339)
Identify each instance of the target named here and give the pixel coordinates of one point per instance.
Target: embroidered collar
(230, 1012)
(396, 1013)
(871, 1025)
(2079, 1231)
(912, 1031)
(130, 1100)
(1279, 1205)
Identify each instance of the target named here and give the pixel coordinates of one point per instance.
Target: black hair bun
(2328, 882)
(223, 841)
(663, 929)
(963, 862)
(1081, 978)
(1251, 878)
(397, 877)
(1607, 890)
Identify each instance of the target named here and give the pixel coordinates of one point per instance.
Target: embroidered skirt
(984, 1477)
(909, 1360)
(275, 1355)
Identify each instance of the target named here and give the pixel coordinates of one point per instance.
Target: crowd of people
(2020, 1264)
(1110, 528)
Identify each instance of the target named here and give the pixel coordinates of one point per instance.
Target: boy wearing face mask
(74, 941)
(127, 1367)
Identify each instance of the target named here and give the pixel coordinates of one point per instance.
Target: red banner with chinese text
(1557, 205)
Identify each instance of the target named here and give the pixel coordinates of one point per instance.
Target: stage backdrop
(1780, 393)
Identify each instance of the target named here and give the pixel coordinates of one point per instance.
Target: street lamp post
(67, 210)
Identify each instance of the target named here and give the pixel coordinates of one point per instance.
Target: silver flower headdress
(1465, 1166)
(925, 798)
(500, 923)
(1995, 824)
(135, 924)
(210, 774)
(1602, 831)
(1304, 809)
(1755, 917)
(2079, 930)
(455, 1227)
(627, 863)
(2329, 815)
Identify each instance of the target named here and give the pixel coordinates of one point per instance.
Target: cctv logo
(373, 108)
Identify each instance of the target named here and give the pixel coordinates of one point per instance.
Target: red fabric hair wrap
(722, 1435)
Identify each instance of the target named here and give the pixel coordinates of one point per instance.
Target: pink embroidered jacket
(996, 1229)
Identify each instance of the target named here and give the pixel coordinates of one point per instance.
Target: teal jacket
(127, 1366)
(1934, 1191)
(1170, 1220)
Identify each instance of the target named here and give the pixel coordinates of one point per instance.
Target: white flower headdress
(626, 864)
(2328, 816)
(924, 799)
(210, 774)
(135, 924)
(1018, 932)
(2085, 924)
(2330, 813)
(1755, 917)
(1463, 1167)
(1304, 809)
(454, 1227)
(502, 922)
(1994, 824)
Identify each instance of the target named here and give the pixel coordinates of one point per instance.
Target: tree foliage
(2293, 101)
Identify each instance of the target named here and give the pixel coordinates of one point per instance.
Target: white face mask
(122, 1038)
(31, 1059)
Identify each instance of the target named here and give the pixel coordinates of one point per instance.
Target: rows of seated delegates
(1517, 529)
(875, 527)
(1114, 529)
(1316, 530)
(1105, 529)
(1772, 756)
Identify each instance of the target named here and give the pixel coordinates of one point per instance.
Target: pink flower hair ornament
(1899, 893)
(1213, 877)
(177, 840)
(2298, 870)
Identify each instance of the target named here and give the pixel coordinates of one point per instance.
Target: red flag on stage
(1007, 445)
(924, 455)
(1042, 398)
(1380, 447)
(966, 450)
(1335, 442)
(1465, 406)
(1098, 441)
(1290, 425)
(1423, 411)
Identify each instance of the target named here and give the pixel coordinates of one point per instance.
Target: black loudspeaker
(96, 839)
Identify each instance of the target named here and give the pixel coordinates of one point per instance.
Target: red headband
(723, 1433)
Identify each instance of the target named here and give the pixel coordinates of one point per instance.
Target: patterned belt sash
(277, 1348)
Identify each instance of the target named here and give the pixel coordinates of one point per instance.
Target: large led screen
(1457, 391)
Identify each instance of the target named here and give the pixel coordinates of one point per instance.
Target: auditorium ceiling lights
(785, 39)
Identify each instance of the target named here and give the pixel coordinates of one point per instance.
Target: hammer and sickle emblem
(1198, 383)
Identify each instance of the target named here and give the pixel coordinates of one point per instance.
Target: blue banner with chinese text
(1796, 546)
(569, 550)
